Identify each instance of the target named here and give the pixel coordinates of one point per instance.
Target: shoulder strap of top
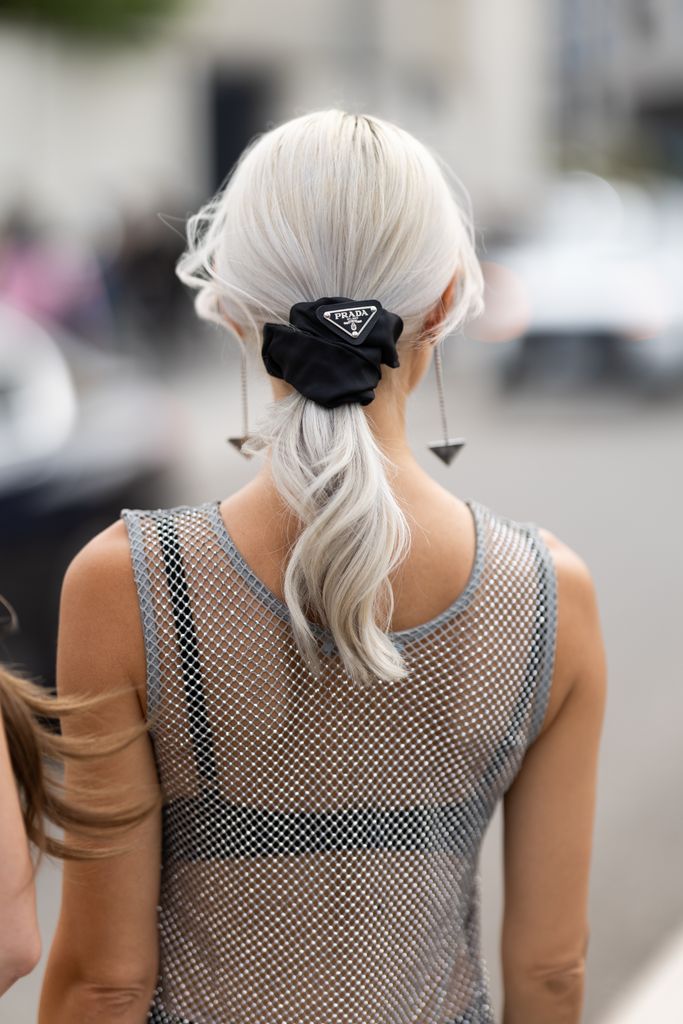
(546, 612)
(542, 652)
(157, 558)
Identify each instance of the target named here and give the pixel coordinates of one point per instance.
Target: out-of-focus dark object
(150, 304)
(115, 18)
(240, 101)
(593, 292)
(83, 434)
(660, 131)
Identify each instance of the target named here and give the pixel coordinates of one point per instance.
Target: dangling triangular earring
(239, 441)
(450, 446)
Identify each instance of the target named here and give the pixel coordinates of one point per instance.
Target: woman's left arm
(103, 962)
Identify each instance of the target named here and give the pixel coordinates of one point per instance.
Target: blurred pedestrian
(50, 280)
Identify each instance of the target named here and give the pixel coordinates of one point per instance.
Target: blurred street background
(564, 120)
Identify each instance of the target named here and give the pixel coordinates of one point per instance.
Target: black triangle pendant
(447, 450)
(238, 442)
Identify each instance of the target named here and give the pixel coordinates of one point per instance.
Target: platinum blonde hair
(333, 203)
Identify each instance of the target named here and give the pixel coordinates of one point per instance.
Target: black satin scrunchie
(332, 349)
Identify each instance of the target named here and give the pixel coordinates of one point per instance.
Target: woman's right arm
(20, 946)
(548, 818)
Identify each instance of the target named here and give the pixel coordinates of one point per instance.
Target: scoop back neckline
(271, 599)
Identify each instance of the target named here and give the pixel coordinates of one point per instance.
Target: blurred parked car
(593, 292)
(83, 433)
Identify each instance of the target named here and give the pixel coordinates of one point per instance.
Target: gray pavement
(602, 470)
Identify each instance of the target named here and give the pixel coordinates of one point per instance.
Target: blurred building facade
(91, 128)
(621, 82)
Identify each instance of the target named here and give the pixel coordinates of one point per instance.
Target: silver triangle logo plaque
(351, 322)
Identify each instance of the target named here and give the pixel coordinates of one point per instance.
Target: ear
(230, 323)
(435, 317)
(236, 328)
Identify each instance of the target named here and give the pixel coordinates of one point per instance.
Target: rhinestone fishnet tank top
(321, 841)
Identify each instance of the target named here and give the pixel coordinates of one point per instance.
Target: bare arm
(548, 818)
(19, 935)
(103, 961)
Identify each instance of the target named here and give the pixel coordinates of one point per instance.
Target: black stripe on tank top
(200, 729)
(158, 1015)
(209, 827)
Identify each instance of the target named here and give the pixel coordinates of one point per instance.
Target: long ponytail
(333, 203)
(329, 469)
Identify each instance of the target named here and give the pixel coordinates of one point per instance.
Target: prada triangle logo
(351, 322)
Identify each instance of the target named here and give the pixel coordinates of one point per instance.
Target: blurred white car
(76, 422)
(597, 281)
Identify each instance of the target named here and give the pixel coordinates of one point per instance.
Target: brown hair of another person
(33, 744)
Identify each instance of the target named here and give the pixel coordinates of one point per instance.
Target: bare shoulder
(106, 552)
(99, 578)
(99, 599)
(575, 583)
(579, 651)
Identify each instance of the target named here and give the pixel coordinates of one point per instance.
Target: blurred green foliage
(100, 18)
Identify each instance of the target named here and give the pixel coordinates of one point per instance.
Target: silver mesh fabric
(321, 841)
